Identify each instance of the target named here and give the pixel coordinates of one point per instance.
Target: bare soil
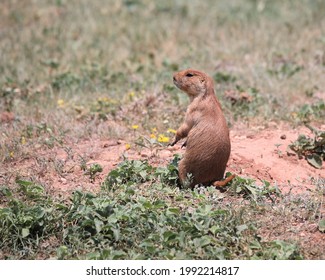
(259, 153)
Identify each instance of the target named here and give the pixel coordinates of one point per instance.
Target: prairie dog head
(193, 82)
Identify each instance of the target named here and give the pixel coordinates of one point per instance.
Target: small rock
(144, 154)
(63, 181)
(283, 136)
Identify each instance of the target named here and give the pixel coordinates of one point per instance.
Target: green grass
(77, 70)
(128, 220)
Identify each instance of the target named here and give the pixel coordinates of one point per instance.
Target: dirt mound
(263, 155)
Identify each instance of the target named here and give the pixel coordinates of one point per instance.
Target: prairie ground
(88, 107)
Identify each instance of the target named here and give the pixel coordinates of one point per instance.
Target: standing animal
(207, 143)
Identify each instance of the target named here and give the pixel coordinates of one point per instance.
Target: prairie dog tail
(224, 182)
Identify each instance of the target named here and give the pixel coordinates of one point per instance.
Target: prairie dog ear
(210, 86)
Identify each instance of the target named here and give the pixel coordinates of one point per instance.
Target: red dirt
(263, 155)
(257, 153)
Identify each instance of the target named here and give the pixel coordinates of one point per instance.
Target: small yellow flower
(154, 130)
(135, 126)
(103, 99)
(153, 136)
(11, 154)
(131, 94)
(127, 146)
(60, 103)
(162, 138)
(23, 140)
(106, 101)
(171, 130)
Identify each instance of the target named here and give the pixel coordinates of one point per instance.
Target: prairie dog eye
(189, 75)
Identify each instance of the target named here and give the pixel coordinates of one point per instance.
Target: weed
(27, 221)
(321, 225)
(65, 80)
(105, 105)
(129, 172)
(250, 189)
(244, 103)
(310, 112)
(312, 149)
(279, 250)
(221, 77)
(285, 69)
(92, 171)
(169, 175)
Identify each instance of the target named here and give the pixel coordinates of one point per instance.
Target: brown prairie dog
(207, 143)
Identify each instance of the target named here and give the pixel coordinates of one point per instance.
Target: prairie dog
(207, 144)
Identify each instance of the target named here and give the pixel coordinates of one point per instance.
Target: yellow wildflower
(162, 138)
(11, 154)
(23, 140)
(60, 103)
(171, 130)
(131, 94)
(135, 126)
(153, 136)
(103, 99)
(127, 146)
(106, 101)
(154, 130)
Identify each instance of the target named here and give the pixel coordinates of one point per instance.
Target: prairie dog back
(207, 144)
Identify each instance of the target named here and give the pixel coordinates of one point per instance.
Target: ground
(257, 152)
(260, 153)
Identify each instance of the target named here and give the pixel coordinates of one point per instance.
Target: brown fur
(207, 143)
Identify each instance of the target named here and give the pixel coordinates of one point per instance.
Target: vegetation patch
(139, 214)
(310, 112)
(311, 148)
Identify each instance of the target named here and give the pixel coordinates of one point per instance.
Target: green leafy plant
(278, 250)
(249, 188)
(129, 172)
(133, 217)
(310, 112)
(28, 220)
(65, 80)
(169, 175)
(92, 170)
(312, 149)
(321, 225)
(31, 189)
